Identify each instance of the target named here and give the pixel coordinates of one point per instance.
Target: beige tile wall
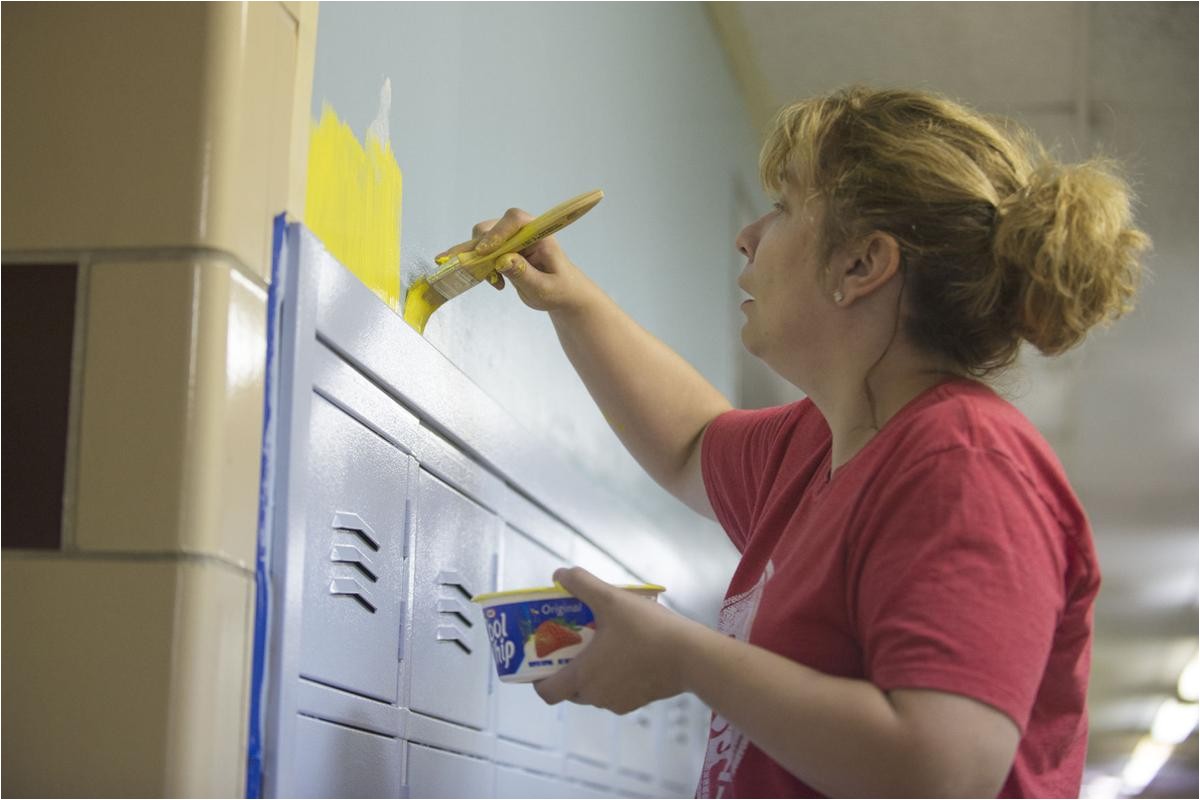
(144, 123)
(154, 143)
(87, 671)
(175, 353)
(137, 681)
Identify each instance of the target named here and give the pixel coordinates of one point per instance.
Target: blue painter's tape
(262, 579)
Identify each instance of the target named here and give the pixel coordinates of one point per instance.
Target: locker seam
(441, 749)
(360, 729)
(360, 418)
(304, 678)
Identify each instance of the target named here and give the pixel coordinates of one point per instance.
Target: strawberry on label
(554, 635)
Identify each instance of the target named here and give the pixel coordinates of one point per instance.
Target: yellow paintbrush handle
(450, 281)
(553, 220)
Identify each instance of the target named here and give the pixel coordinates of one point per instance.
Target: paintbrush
(460, 272)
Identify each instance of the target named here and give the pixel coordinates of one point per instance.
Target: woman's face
(790, 306)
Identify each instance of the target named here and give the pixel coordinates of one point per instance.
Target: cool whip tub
(536, 632)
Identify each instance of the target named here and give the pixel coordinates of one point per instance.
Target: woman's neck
(857, 410)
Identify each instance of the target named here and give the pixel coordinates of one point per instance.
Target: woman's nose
(745, 241)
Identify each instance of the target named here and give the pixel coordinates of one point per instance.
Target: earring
(838, 296)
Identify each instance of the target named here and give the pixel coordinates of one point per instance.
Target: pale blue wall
(527, 104)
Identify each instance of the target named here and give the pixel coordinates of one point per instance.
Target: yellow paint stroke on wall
(352, 203)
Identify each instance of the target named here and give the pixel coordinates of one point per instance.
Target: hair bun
(1067, 240)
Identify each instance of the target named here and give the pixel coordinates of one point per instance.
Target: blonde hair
(998, 242)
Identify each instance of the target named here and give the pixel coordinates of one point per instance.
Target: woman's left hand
(634, 657)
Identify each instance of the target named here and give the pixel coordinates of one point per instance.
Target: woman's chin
(749, 341)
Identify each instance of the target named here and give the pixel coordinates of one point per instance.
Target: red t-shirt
(950, 553)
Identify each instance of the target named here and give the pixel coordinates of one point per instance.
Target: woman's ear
(865, 265)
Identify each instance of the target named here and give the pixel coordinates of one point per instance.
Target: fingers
(562, 685)
(480, 228)
(586, 586)
(494, 235)
(488, 234)
(462, 247)
(512, 265)
(522, 274)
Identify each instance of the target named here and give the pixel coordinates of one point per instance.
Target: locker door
(521, 714)
(336, 761)
(353, 570)
(637, 742)
(453, 546)
(589, 732)
(517, 783)
(440, 773)
(683, 741)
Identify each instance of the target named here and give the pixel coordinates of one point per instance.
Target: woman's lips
(746, 296)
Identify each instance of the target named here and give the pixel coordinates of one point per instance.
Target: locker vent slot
(349, 521)
(349, 554)
(448, 632)
(453, 599)
(452, 605)
(353, 555)
(353, 589)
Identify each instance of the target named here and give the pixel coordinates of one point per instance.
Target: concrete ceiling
(1112, 78)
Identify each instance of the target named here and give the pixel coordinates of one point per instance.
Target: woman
(912, 611)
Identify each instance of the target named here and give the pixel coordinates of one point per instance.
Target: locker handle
(450, 633)
(349, 521)
(352, 588)
(349, 554)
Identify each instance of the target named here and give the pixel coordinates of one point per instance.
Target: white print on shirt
(726, 744)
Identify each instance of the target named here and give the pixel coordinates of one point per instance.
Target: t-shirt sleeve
(735, 461)
(961, 582)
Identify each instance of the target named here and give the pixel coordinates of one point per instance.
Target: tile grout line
(97, 256)
(29, 554)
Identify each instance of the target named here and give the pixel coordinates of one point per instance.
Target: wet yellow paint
(352, 204)
(421, 302)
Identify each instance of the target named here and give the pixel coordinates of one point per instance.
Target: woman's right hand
(543, 276)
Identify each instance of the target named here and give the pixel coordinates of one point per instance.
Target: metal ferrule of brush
(455, 277)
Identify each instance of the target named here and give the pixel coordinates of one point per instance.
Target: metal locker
(683, 741)
(353, 573)
(353, 462)
(583, 790)
(453, 546)
(521, 714)
(637, 742)
(440, 773)
(589, 732)
(517, 783)
(602, 565)
(336, 761)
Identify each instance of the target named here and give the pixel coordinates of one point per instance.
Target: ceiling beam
(735, 39)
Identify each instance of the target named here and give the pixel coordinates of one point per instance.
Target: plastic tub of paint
(536, 632)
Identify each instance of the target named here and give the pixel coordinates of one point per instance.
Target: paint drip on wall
(353, 199)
